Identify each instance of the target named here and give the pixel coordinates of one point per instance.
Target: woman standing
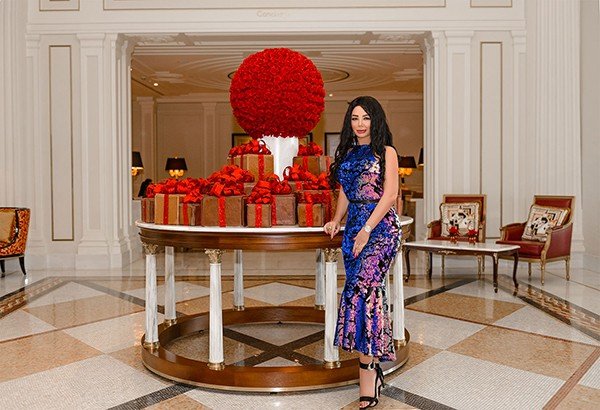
(366, 166)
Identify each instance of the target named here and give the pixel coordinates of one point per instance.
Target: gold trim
(331, 254)
(398, 344)
(150, 248)
(239, 308)
(169, 322)
(152, 346)
(216, 366)
(50, 47)
(214, 255)
(319, 307)
(332, 365)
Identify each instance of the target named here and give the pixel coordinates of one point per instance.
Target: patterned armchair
(434, 228)
(557, 245)
(14, 226)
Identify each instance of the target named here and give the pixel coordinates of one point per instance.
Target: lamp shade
(175, 163)
(421, 163)
(136, 160)
(407, 162)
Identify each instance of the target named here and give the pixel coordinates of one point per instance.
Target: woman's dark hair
(380, 134)
(143, 187)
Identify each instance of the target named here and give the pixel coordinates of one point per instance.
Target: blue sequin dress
(364, 322)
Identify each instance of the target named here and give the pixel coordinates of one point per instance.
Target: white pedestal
(398, 300)
(151, 337)
(284, 150)
(238, 280)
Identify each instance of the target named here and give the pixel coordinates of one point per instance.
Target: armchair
(14, 226)
(434, 228)
(558, 241)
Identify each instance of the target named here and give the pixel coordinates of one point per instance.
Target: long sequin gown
(364, 322)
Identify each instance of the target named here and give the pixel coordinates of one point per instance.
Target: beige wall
(590, 131)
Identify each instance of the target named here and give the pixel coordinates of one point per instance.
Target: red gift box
(283, 210)
(166, 208)
(148, 210)
(222, 211)
(310, 214)
(190, 214)
(258, 215)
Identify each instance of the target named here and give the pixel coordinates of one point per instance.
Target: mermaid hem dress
(364, 322)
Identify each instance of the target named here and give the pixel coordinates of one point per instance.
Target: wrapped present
(296, 175)
(283, 210)
(166, 208)
(328, 198)
(148, 210)
(258, 215)
(257, 164)
(310, 214)
(222, 210)
(189, 214)
(314, 164)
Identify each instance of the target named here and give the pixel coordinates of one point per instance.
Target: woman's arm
(388, 199)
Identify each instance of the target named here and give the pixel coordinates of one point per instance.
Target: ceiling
(194, 64)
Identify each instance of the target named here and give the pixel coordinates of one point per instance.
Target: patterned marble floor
(71, 339)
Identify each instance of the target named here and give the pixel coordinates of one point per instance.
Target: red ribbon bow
(252, 147)
(311, 149)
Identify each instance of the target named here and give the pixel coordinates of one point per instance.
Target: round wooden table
(214, 373)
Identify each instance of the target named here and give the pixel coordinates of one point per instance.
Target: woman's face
(361, 125)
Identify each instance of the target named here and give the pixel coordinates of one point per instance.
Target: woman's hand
(331, 228)
(360, 241)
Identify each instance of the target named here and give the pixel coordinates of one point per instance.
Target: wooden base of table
(242, 378)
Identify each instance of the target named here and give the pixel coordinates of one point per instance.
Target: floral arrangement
(472, 234)
(453, 232)
(277, 92)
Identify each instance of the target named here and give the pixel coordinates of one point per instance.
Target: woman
(366, 166)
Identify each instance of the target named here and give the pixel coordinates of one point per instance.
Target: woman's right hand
(331, 228)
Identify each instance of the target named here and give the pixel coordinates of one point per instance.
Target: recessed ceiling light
(331, 95)
(156, 84)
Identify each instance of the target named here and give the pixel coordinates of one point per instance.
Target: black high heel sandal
(372, 400)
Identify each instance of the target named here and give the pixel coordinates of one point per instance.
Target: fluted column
(555, 71)
(148, 137)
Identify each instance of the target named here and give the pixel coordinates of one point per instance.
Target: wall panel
(61, 143)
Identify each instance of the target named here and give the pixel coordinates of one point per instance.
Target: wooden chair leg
(22, 263)
(479, 263)
(568, 263)
(543, 268)
(2, 267)
(529, 269)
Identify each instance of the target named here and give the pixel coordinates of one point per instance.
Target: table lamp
(136, 163)
(176, 167)
(406, 164)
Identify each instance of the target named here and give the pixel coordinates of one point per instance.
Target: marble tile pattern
(71, 339)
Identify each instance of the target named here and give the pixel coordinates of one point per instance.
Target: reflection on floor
(72, 340)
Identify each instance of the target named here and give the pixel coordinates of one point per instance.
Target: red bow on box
(231, 173)
(193, 197)
(229, 188)
(252, 147)
(311, 149)
(297, 173)
(261, 193)
(310, 198)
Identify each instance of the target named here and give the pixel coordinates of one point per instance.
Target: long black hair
(380, 135)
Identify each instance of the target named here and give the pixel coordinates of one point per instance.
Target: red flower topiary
(277, 92)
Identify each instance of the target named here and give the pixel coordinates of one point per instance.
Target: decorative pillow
(7, 224)
(464, 215)
(540, 219)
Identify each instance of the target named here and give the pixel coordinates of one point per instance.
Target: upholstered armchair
(14, 226)
(557, 244)
(435, 231)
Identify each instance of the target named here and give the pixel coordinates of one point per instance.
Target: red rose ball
(277, 92)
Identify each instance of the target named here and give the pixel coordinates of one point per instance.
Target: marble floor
(71, 339)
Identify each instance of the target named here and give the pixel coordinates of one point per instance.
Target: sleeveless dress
(363, 322)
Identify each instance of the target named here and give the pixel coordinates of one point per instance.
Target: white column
(320, 281)
(170, 311)
(331, 354)
(556, 72)
(398, 301)
(238, 280)
(151, 337)
(215, 350)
